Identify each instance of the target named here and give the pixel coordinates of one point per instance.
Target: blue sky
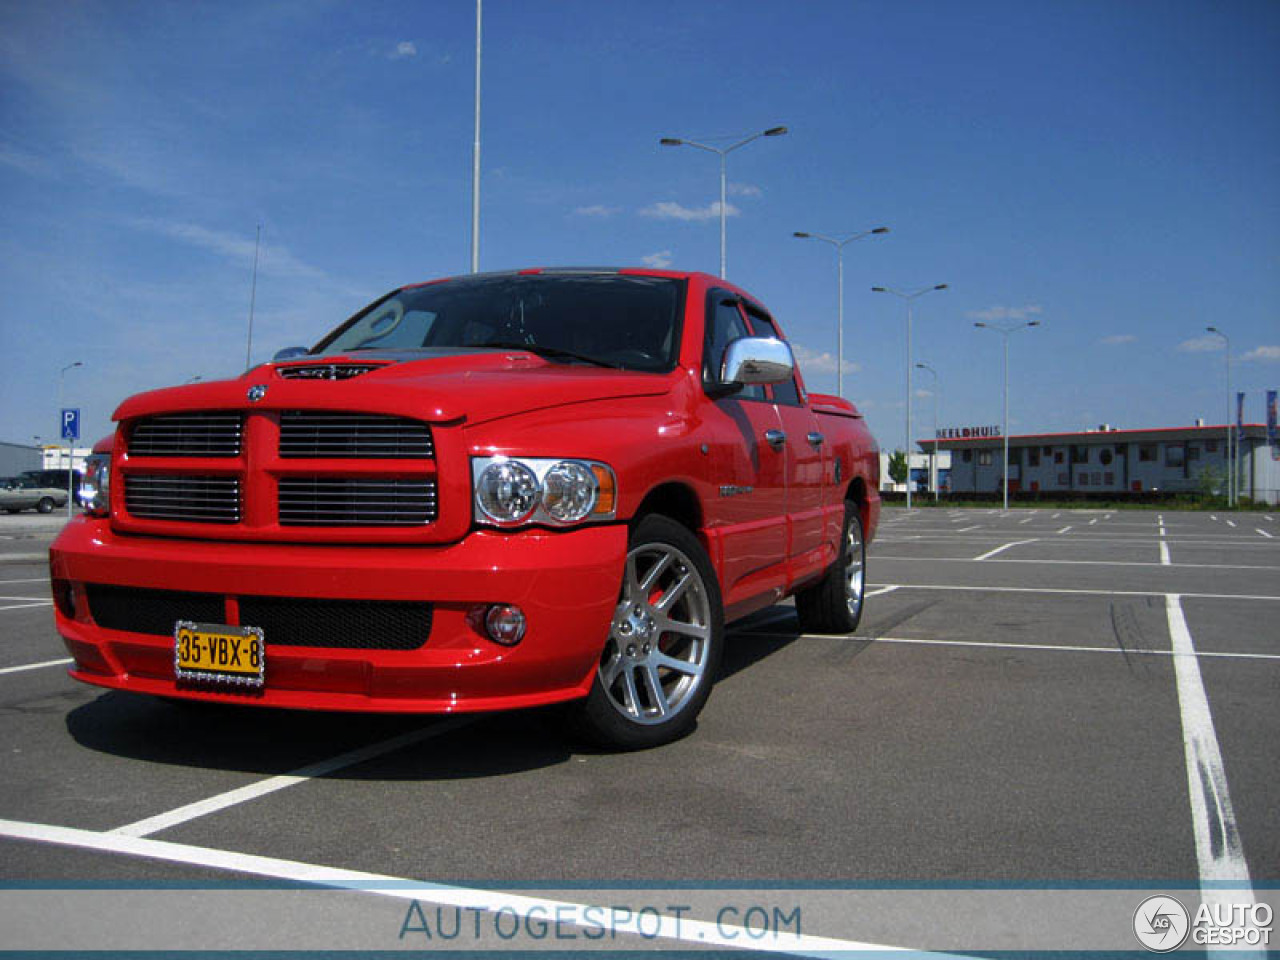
(1110, 169)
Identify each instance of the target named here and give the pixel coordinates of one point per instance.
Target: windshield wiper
(553, 353)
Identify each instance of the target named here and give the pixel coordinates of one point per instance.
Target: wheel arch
(674, 500)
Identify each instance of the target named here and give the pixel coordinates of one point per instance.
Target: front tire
(660, 659)
(45, 505)
(834, 604)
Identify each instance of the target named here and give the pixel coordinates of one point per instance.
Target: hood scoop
(326, 371)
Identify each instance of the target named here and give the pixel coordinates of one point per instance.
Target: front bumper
(565, 581)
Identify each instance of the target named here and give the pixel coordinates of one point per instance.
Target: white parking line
(880, 592)
(24, 606)
(35, 666)
(1218, 846)
(967, 529)
(28, 580)
(1048, 647)
(992, 553)
(1028, 520)
(1065, 529)
(1093, 521)
(1077, 591)
(671, 927)
(1164, 553)
(1264, 533)
(1231, 523)
(231, 798)
(883, 557)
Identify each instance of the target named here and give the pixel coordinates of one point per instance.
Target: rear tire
(663, 650)
(834, 604)
(45, 505)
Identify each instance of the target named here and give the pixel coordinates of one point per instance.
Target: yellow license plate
(219, 653)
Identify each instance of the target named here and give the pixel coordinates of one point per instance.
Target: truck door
(806, 453)
(747, 467)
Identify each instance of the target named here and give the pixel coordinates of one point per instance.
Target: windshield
(604, 319)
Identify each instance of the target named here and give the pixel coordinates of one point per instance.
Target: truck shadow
(271, 742)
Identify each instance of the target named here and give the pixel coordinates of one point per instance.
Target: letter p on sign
(71, 424)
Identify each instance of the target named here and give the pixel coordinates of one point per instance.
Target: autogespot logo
(1161, 924)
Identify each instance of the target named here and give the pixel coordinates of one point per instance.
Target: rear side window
(785, 392)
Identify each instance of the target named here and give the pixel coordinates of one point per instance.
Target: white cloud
(813, 361)
(1209, 343)
(25, 162)
(596, 210)
(1006, 313)
(744, 190)
(403, 50)
(658, 261)
(1265, 354)
(272, 260)
(1117, 339)
(670, 210)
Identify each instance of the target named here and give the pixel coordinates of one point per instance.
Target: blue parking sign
(71, 423)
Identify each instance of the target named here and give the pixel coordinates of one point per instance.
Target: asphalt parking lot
(1034, 698)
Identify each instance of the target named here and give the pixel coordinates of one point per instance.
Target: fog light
(504, 624)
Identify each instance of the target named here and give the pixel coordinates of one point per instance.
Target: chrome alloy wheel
(656, 655)
(854, 569)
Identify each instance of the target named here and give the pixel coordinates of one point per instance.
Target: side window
(726, 325)
(785, 392)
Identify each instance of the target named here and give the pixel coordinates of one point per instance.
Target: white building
(921, 471)
(1109, 461)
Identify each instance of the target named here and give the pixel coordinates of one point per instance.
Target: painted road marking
(28, 580)
(24, 606)
(35, 666)
(1065, 529)
(1049, 647)
(671, 927)
(1087, 563)
(1218, 846)
(1028, 520)
(1231, 523)
(992, 553)
(231, 798)
(1077, 591)
(1055, 516)
(967, 529)
(880, 592)
(1164, 554)
(1093, 521)
(1264, 533)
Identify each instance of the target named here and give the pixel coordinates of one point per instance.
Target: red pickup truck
(480, 493)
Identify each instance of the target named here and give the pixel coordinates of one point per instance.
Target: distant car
(17, 493)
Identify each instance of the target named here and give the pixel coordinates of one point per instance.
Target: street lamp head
(1033, 323)
(1213, 329)
(801, 234)
(775, 131)
(670, 141)
(880, 230)
(879, 290)
(979, 323)
(941, 286)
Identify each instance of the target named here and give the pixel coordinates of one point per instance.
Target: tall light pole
(71, 444)
(937, 391)
(909, 296)
(1004, 329)
(253, 297)
(475, 160)
(839, 244)
(1231, 460)
(723, 153)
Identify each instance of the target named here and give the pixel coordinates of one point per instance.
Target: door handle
(816, 440)
(775, 438)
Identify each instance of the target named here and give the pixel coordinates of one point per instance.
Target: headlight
(510, 491)
(95, 489)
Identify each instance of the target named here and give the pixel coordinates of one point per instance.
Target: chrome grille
(356, 502)
(193, 499)
(204, 433)
(326, 371)
(319, 433)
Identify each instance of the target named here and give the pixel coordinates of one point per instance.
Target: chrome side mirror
(288, 353)
(757, 360)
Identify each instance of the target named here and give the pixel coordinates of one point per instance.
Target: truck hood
(442, 385)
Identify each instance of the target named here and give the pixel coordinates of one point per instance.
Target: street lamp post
(71, 448)
(839, 244)
(909, 296)
(723, 153)
(1231, 460)
(1004, 329)
(475, 159)
(937, 390)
